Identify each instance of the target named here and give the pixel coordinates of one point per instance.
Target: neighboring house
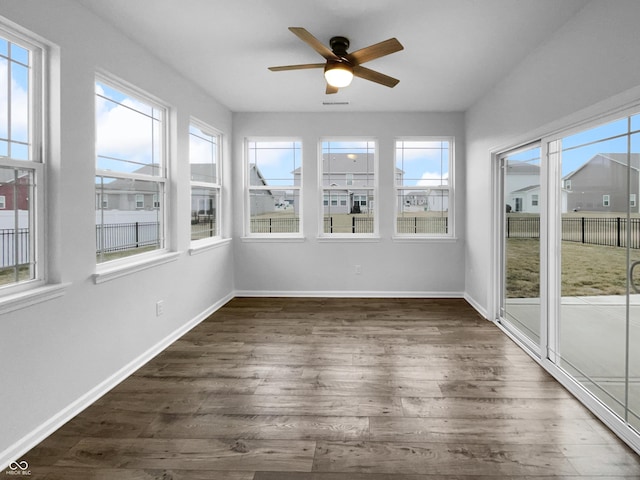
(600, 185)
(9, 192)
(343, 174)
(124, 195)
(262, 201)
(425, 200)
(521, 181)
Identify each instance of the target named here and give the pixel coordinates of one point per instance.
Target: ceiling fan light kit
(340, 66)
(338, 74)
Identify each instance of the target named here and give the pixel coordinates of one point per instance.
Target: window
(204, 157)
(21, 162)
(274, 183)
(348, 177)
(606, 200)
(632, 200)
(534, 200)
(567, 184)
(130, 172)
(423, 183)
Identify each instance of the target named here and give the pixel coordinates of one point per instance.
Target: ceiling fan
(340, 66)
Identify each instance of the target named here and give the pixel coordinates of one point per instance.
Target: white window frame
(139, 201)
(215, 186)
(248, 189)
(535, 199)
(606, 200)
(336, 191)
(632, 200)
(37, 148)
(449, 188)
(105, 270)
(3, 202)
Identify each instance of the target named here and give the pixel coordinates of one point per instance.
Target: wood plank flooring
(337, 389)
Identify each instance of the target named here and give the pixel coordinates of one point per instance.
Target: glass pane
(635, 123)
(522, 242)
(4, 47)
(203, 156)
(422, 163)
(348, 164)
(274, 211)
(595, 204)
(634, 300)
(423, 211)
(19, 103)
(4, 99)
(129, 134)
(19, 54)
(16, 232)
(275, 163)
(128, 217)
(204, 213)
(601, 132)
(348, 211)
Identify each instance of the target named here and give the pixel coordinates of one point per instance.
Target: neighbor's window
(130, 172)
(21, 162)
(204, 157)
(349, 183)
(605, 200)
(274, 183)
(423, 187)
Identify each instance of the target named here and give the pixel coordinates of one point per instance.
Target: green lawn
(586, 269)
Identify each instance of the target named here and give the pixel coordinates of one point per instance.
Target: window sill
(348, 238)
(111, 272)
(423, 239)
(274, 239)
(206, 246)
(27, 298)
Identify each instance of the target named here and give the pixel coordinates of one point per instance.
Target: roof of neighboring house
(619, 158)
(527, 189)
(340, 163)
(516, 167)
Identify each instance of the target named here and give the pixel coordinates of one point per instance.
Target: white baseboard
(476, 305)
(33, 438)
(347, 294)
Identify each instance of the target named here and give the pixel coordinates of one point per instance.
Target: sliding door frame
(550, 251)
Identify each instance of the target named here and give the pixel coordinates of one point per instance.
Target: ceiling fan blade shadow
(331, 89)
(373, 76)
(375, 51)
(302, 66)
(314, 43)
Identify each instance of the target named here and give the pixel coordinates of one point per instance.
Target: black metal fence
(611, 231)
(117, 237)
(437, 225)
(14, 247)
(275, 225)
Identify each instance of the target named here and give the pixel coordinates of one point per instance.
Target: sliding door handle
(631, 267)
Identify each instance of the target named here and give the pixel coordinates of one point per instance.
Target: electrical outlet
(159, 308)
(358, 269)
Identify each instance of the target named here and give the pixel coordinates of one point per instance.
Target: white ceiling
(454, 50)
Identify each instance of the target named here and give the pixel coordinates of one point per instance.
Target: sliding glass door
(521, 203)
(569, 287)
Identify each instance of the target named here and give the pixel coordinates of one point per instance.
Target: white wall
(53, 353)
(316, 267)
(593, 59)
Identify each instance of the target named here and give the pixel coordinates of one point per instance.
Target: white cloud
(431, 179)
(19, 106)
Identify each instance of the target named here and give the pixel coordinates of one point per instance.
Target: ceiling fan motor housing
(339, 45)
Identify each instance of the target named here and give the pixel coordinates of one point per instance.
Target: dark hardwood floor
(337, 389)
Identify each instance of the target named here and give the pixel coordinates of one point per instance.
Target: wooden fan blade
(297, 67)
(314, 43)
(331, 89)
(373, 76)
(375, 51)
